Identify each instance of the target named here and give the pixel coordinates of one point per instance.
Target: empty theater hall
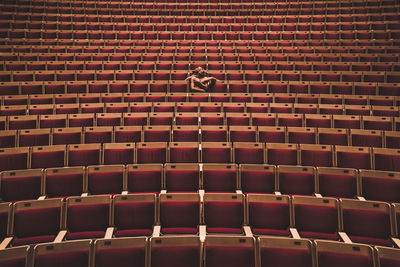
(200, 133)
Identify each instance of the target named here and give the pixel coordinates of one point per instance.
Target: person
(201, 81)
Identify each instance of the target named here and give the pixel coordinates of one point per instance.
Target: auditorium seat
(182, 177)
(105, 179)
(17, 256)
(184, 152)
(21, 185)
(281, 154)
(122, 251)
(134, 215)
(75, 253)
(353, 157)
(337, 182)
(97, 217)
(257, 178)
(224, 213)
(367, 138)
(379, 185)
(179, 213)
(151, 152)
(367, 221)
(284, 251)
(216, 152)
(269, 214)
(119, 153)
(316, 218)
(64, 182)
(219, 178)
(331, 253)
(316, 155)
(229, 251)
(386, 159)
(248, 153)
(168, 251)
(327, 136)
(144, 178)
(83, 155)
(296, 180)
(37, 221)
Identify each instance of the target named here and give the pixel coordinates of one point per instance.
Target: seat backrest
(229, 251)
(330, 253)
(71, 253)
(122, 252)
(284, 252)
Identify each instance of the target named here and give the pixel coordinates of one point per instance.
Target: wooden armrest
(109, 233)
(277, 193)
(396, 242)
(84, 194)
(294, 233)
(124, 193)
(42, 198)
(157, 231)
(60, 237)
(6, 242)
(202, 232)
(201, 193)
(345, 238)
(247, 231)
(239, 192)
(318, 195)
(163, 191)
(361, 198)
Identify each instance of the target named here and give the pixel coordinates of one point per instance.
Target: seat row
(167, 62)
(194, 47)
(205, 35)
(252, 109)
(206, 26)
(35, 18)
(216, 251)
(194, 133)
(204, 10)
(205, 4)
(205, 118)
(202, 215)
(160, 86)
(231, 75)
(62, 182)
(187, 102)
(193, 152)
(283, 43)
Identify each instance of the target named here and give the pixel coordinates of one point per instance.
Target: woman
(201, 81)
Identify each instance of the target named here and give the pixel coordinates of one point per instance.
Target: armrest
(42, 198)
(318, 195)
(157, 231)
(277, 193)
(202, 232)
(201, 193)
(109, 233)
(84, 194)
(396, 242)
(163, 191)
(6, 242)
(345, 237)
(124, 193)
(239, 192)
(361, 198)
(294, 233)
(247, 231)
(60, 237)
